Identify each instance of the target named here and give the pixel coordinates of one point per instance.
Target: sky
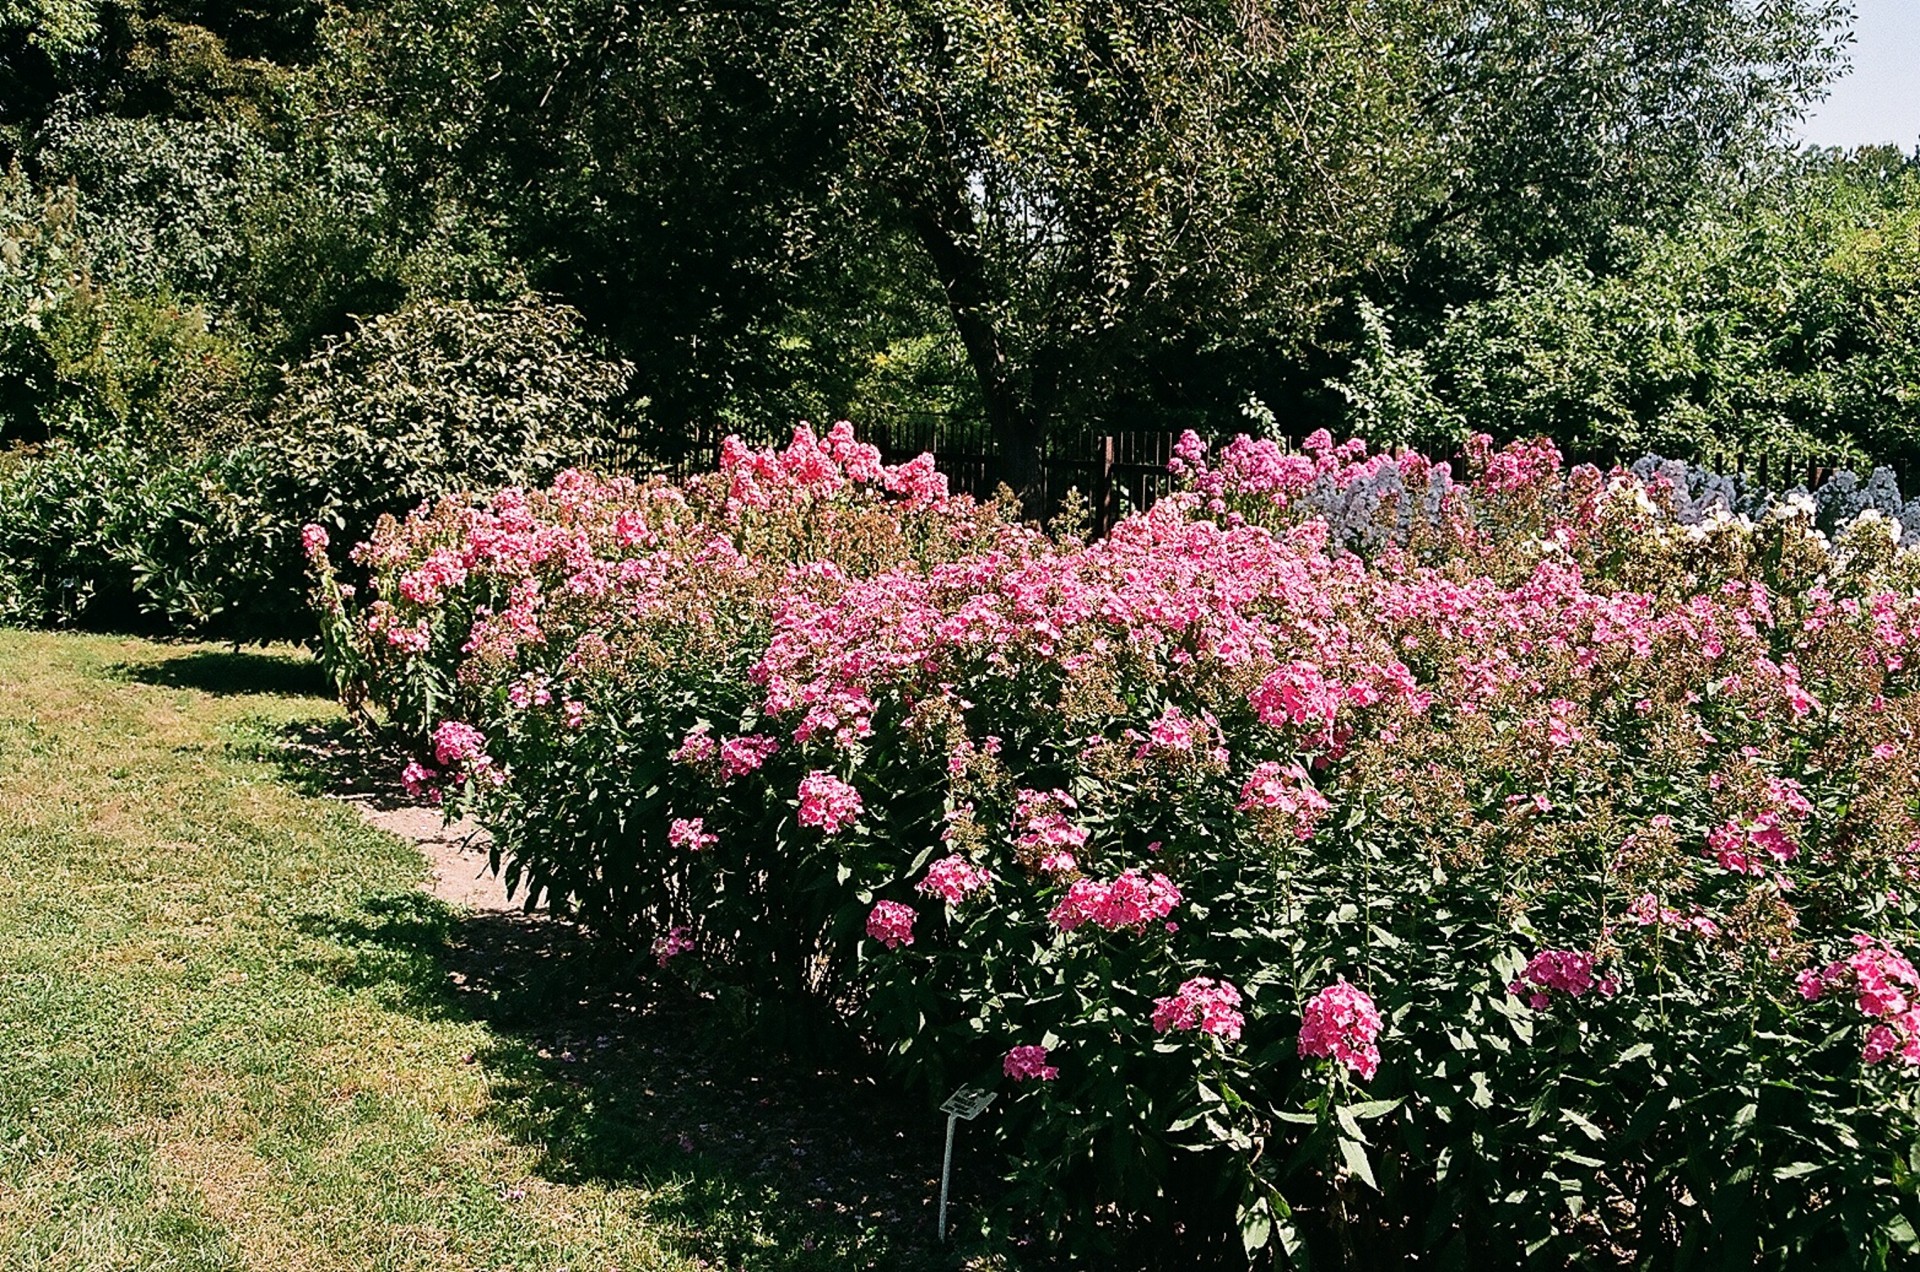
(1879, 99)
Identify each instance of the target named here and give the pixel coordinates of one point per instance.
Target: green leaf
(1370, 1109)
(1355, 1155)
(1256, 1225)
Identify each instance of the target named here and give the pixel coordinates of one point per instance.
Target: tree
(1558, 122)
(1124, 208)
(1779, 321)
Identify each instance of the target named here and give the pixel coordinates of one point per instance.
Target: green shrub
(120, 537)
(440, 396)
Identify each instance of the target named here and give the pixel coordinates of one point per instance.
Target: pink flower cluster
(1129, 901)
(1743, 846)
(455, 744)
(1041, 820)
(691, 834)
(827, 803)
(1203, 1003)
(1568, 972)
(430, 581)
(697, 747)
(1286, 794)
(1029, 1063)
(673, 943)
(821, 467)
(1176, 735)
(891, 923)
(1340, 1023)
(953, 879)
(1886, 989)
(741, 756)
(460, 748)
(419, 781)
(1297, 694)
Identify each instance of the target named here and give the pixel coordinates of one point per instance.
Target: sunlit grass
(233, 1033)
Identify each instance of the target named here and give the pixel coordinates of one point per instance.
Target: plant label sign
(967, 1103)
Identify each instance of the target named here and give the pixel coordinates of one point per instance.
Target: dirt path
(456, 854)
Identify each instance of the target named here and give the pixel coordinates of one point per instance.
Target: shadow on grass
(617, 1074)
(229, 672)
(336, 758)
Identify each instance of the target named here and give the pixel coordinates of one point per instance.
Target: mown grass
(235, 1034)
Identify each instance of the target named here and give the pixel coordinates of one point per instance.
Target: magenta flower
(1202, 1003)
(690, 833)
(1340, 1023)
(891, 924)
(827, 803)
(1023, 1063)
(455, 743)
(419, 781)
(1130, 901)
(675, 942)
(740, 756)
(953, 879)
(1568, 972)
(1886, 989)
(697, 747)
(1284, 794)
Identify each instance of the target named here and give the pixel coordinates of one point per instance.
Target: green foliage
(1390, 396)
(1784, 322)
(89, 362)
(167, 202)
(1575, 739)
(442, 396)
(119, 537)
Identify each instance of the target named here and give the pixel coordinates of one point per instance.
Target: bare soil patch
(459, 871)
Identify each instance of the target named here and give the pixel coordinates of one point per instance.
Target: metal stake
(967, 1102)
(946, 1174)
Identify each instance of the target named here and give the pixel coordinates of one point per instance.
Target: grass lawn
(234, 1033)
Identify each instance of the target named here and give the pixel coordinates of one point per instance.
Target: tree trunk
(943, 223)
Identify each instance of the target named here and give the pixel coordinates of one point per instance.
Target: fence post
(1106, 509)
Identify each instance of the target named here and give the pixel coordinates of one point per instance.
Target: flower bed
(1531, 882)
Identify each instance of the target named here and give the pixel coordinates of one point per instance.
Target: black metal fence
(1114, 472)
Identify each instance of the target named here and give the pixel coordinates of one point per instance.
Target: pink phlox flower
(1550, 972)
(1041, 822)
(1341, 1023)
(953, 879)
(1296, 694)
(742, 755)
(1029, 1063)
(1203, 1004)
(891, 924)
(676, 941)
(827, 803)
(1742, 845)
(1130, 901)
(691, 834)
(697, 747)
(419, 781)
(1287, 792)
(1886, 990)
(456, 744)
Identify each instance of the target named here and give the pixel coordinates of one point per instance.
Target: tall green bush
(442, 396)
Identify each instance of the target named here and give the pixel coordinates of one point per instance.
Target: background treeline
(268, 262)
